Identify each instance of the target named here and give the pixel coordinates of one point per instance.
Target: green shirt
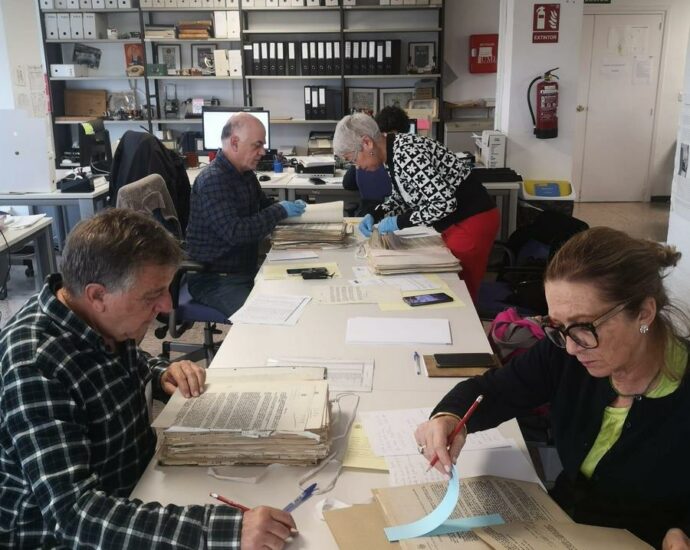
(614, 417)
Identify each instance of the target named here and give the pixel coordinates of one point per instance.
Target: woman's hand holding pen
(432, 440)
(266, 527)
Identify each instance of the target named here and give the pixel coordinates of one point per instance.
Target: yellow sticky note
(359, 454)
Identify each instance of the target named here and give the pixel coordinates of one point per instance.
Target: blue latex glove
(388, 225)
(366, 226)
(295, 208)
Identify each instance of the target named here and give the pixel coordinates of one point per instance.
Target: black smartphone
(317, 181)
(449, 360)
(427, 299)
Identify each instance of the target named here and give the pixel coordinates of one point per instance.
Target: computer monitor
(413, 126)
(94, 146)
(214, 118)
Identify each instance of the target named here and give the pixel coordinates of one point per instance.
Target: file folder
(272, 59)
(321, 57)
(247, 53)
(322, 103)
(329, 57)
(379, 57)
(280, 54)
(337, 60)
(306, 64)
(265, 63)
(313, 59)
(307, 103)
(256, 58)
(291, 58)
(371, 62)
(355, 57)
(347, 57)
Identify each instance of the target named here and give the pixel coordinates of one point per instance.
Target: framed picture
(134, 59)
(363, 100)
(170, 55)
(430, 105)
(422, 57)
(202, 56)
(395, 97)
(86, 55)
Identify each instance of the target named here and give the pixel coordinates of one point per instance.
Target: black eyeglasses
(583, 334)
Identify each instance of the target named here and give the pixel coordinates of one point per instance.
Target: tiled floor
(648, 220)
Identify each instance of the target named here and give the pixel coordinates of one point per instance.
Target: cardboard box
(90, 103)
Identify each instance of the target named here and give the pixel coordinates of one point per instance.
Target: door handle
(580, 108)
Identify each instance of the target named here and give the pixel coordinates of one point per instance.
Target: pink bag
(511, 335)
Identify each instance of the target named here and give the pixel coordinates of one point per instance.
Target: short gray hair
(111, 247)
(234, 124)
(350, 131)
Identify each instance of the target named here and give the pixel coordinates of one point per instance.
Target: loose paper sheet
(287, 255)
(359, 454)
(391, 432)
(271, 309)
(342, 374)
(507, 462)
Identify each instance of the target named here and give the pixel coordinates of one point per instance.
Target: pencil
(229, 502)
(457, 429)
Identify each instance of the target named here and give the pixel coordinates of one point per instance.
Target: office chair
(150, 196)
(520, 277)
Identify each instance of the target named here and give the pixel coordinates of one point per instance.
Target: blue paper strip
(437, 522)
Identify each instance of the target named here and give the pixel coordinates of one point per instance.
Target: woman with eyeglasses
(432, 187)
(614, 369)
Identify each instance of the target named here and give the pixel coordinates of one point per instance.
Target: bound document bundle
(320, 225)
(392, 255)
(247, 420)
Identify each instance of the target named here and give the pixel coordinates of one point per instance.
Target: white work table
(41, 235)
(320, 332)
(88, 202)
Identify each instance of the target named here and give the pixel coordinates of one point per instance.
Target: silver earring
(644, 328)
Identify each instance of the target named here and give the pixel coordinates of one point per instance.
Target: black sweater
(642, 484)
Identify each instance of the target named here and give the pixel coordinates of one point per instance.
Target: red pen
(229, 502)
(457, 429)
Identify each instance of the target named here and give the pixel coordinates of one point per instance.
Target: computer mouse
(264, 177)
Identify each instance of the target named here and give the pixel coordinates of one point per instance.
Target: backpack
(511, 335)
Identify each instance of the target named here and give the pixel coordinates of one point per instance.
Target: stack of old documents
(321, 225)
(392, 254)
(247, 420)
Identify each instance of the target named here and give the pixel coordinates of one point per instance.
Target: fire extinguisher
(546, 121)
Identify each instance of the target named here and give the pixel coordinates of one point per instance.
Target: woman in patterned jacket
(432, 186)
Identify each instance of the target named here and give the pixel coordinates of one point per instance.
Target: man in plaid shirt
(74, 430)
(230, 215)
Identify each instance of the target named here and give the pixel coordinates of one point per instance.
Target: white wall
(6, 96)
(670, 83)
(679, 220)
(522, 61)
(463, 18)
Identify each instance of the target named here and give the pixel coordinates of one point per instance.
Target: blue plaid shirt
(75, 438)
(229, 217)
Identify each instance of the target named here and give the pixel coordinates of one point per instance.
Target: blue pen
(304, 495)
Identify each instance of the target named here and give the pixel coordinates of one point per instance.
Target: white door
(617, 90)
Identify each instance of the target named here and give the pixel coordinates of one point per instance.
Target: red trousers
(470, 241)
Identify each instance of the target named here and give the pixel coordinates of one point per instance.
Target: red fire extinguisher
(546, 121)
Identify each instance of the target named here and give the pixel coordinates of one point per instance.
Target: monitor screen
(94, 146)
(413, 126)
(214, 118)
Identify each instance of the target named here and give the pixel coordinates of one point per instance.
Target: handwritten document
(271, 309)
(391, 432)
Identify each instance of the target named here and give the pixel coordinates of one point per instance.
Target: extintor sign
(545, 23)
